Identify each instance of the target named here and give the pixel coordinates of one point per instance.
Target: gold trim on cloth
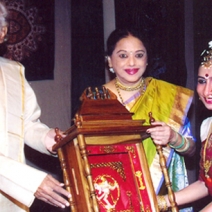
(22, 112)
(15, 202)
(3, 137)
(115, 165)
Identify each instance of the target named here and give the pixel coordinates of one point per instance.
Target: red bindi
(206, 75)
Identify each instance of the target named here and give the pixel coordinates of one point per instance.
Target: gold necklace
(117, 88)
(129, 88)
(119, 93)
(207, 163)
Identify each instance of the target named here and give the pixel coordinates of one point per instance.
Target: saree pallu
(170, 104)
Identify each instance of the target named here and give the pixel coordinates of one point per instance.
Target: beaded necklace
(129, 88)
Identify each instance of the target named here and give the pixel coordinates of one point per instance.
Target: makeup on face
(204, 79)
(204, 74)
(129, 60)
(204, 86)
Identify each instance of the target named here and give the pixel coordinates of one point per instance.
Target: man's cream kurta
(19, 124)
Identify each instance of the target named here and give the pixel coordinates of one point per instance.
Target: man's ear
(3, 33)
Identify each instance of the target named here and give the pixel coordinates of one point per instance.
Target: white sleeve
(204, 128)
(35, 131)
(19, 180)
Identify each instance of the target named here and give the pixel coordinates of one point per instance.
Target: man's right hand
(50, 191)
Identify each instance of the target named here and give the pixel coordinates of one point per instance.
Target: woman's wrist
(175, 138)
(162, 203)
(181, 146)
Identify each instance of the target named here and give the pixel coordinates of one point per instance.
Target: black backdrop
(163, 22)
(87, 40)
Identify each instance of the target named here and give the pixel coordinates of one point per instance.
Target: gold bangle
(162, 204)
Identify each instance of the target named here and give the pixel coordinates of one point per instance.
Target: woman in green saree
(169, 104)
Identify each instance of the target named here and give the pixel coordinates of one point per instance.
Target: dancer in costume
(169, 104)
(203, 186)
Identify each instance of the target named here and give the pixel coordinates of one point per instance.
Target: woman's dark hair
(118, 34)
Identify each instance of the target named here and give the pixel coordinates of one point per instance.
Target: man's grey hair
(3, 15)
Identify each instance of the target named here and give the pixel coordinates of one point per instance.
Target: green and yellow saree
(168, 103)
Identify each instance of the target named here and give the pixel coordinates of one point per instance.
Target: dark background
(87, 40)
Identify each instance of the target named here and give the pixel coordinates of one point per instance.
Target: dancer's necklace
(207, 163)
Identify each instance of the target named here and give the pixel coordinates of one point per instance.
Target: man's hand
(50, 191)
(50, 139)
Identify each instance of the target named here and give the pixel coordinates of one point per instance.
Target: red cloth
(118, 178)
